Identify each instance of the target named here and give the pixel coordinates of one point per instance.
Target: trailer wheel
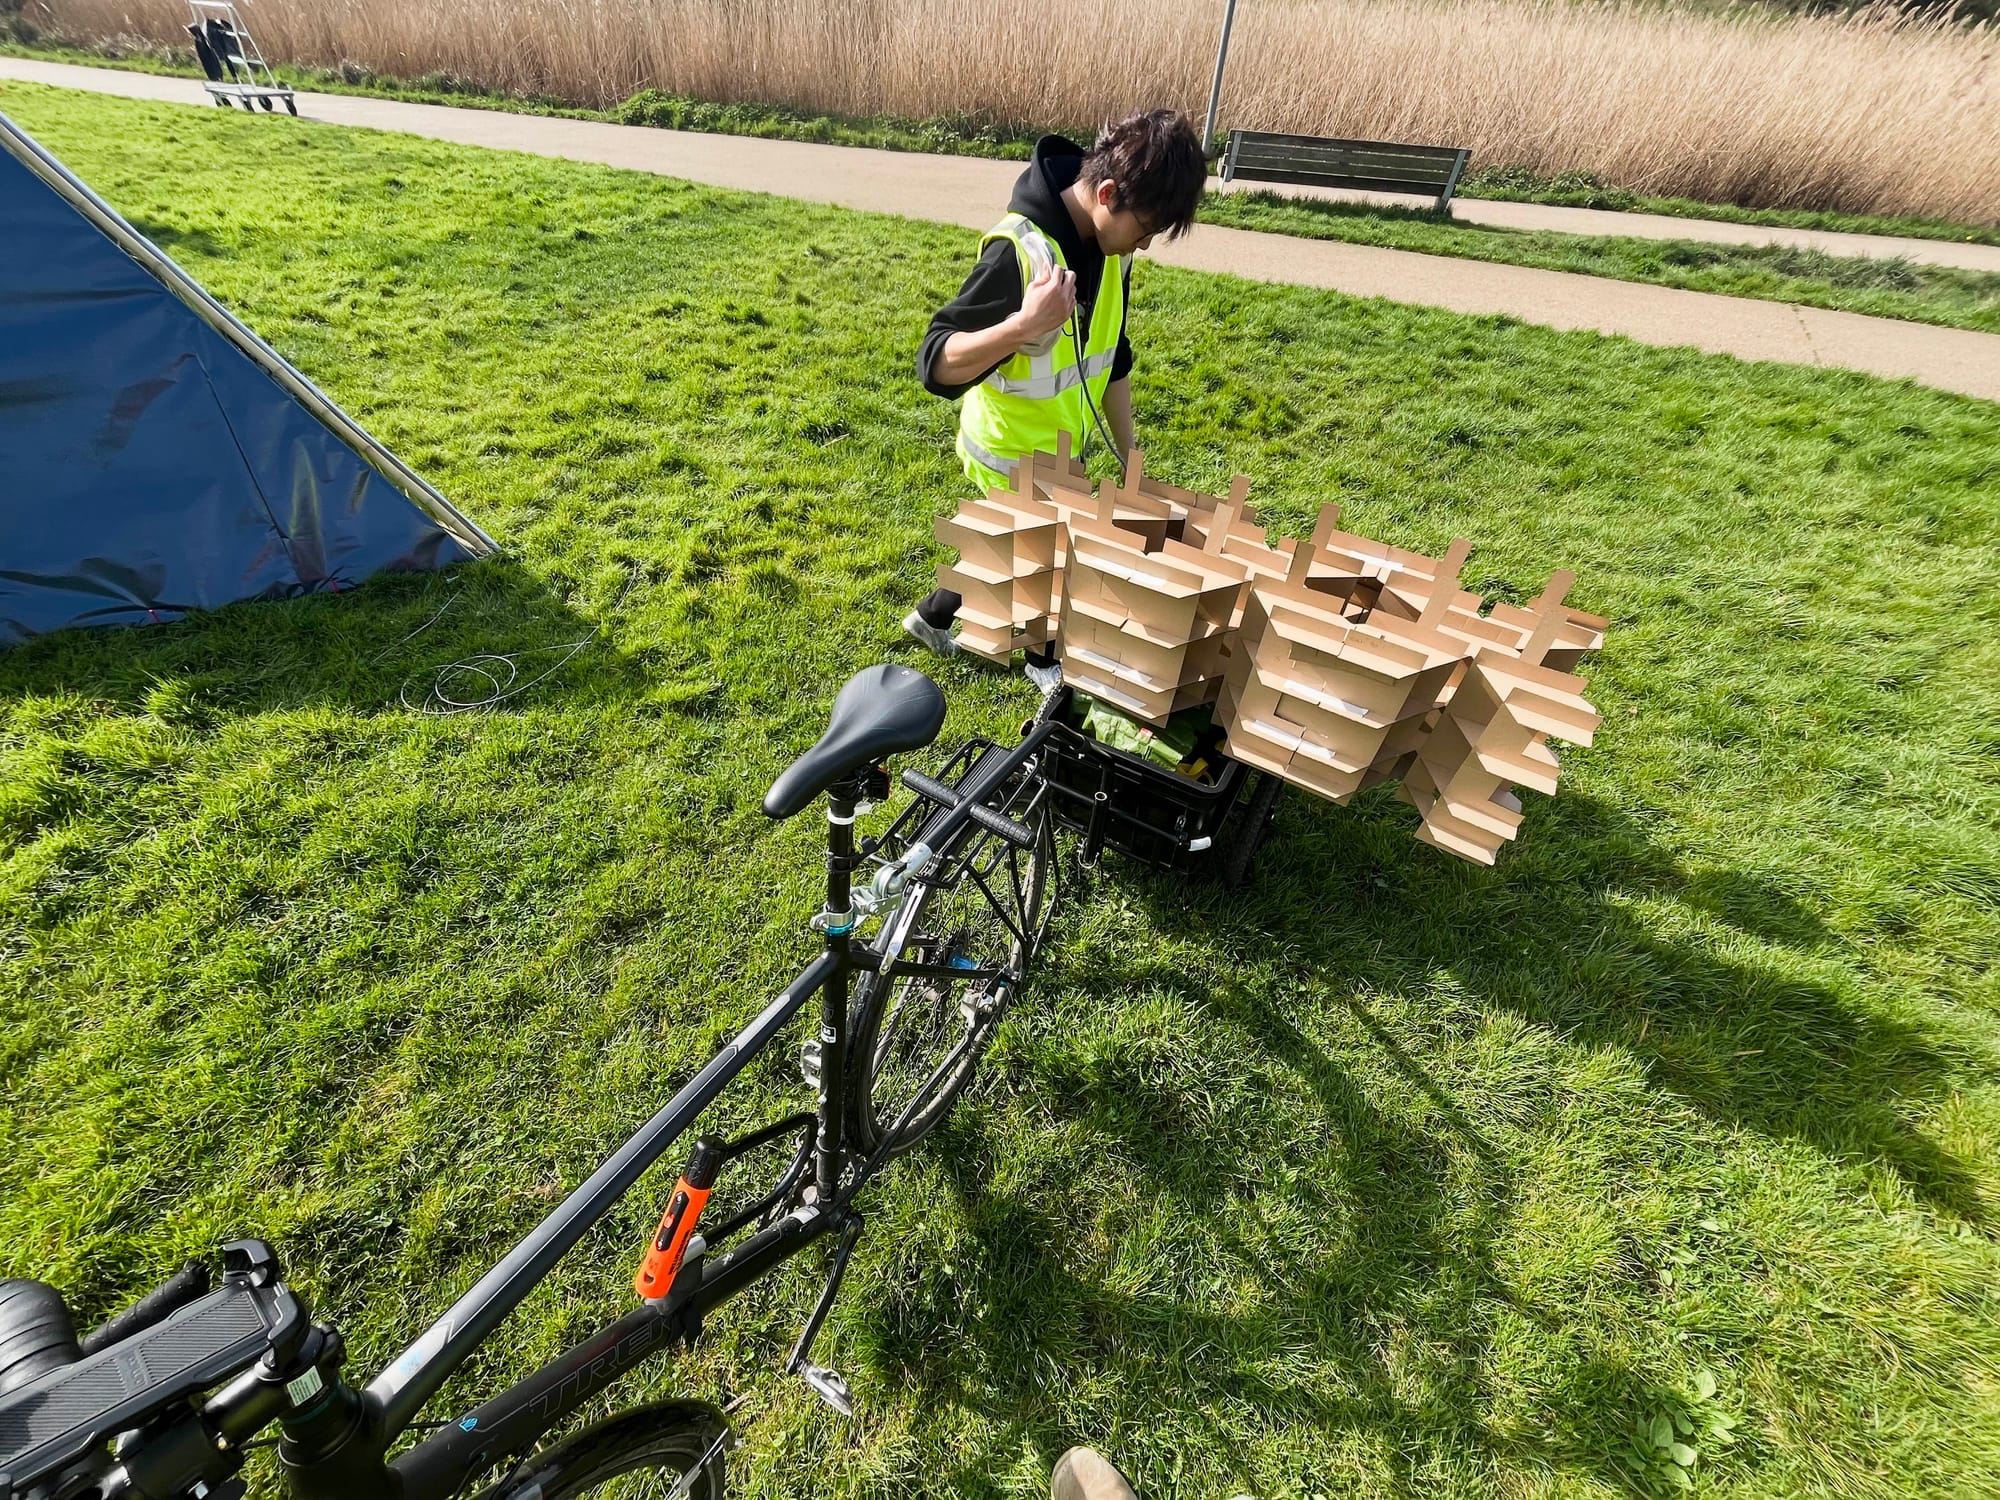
(1252, 822)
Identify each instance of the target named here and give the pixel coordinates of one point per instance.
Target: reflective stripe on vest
(1041, 386)
(991, 460)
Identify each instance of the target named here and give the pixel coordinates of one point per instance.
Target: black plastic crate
(1145, 810)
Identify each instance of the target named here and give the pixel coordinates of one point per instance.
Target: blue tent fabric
(149, 465)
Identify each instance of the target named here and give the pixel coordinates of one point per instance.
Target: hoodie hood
(1038, 196)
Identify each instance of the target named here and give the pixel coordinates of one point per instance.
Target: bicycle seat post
(836, 924)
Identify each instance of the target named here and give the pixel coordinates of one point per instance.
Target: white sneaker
(943, 642)
(1085, 1474)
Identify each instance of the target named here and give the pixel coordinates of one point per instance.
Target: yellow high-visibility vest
(1039, 392)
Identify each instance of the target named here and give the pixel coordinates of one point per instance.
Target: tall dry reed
(1870, 112)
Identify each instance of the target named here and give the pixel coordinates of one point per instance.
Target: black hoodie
(992, 293)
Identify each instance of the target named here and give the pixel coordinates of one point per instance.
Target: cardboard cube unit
(1154, 513)
(1567, 635)
(1146, 631)
(1376, 576)
(1323, 691)
(1006, 573)
(1164, 512)
(1491, 741)
(1335, 663)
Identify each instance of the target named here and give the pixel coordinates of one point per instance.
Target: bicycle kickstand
(829, 1385)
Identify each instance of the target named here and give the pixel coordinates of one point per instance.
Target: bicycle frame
(335, 1448)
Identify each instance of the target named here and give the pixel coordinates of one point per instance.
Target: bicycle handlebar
(1017, 834)
(962, 803)
(192, 1280)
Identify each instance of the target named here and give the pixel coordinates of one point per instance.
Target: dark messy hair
(1154, 161)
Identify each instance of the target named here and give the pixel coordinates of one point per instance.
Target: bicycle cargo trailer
(1149, 812)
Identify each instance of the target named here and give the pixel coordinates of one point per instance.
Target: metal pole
(1215, 88)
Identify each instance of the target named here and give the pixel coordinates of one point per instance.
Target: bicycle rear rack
(60, 1418)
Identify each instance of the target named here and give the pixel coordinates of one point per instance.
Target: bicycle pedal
(809, 1062)
(830, 1386)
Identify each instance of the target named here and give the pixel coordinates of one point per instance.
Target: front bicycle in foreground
(162, 1402)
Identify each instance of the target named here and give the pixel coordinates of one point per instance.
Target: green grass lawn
(1885, 288)
(1389, 1176)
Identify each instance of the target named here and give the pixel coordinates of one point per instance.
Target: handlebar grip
(184, 1286)
(931, 788)
(1017, 834)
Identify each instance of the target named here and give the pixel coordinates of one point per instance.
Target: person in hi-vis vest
(1034, 345)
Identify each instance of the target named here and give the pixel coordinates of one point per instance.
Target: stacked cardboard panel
(1493, 740)
(1165, 512)
(1006, 572)
(1335, 663)
(1321, 692)
(1229, 530)
(1145, 629)
(1402, 583)
(1374, 575)
(1138, 506)
(1575, 633)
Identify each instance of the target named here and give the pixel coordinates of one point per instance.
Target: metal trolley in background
(1150, 813)
(235, 68)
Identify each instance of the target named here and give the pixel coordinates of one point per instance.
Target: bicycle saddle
(882, 711)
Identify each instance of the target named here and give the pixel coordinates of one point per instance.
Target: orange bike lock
(669, 1246)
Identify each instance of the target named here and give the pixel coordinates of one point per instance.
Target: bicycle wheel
(673, 1448)
(914, 1040)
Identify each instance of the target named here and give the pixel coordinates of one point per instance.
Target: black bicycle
(160, 1403)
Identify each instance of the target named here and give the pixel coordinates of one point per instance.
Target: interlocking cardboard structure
(1335, 663)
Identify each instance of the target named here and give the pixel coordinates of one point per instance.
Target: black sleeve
(1121, 362)
(990, 294)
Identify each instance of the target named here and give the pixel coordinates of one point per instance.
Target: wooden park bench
(1315, 161)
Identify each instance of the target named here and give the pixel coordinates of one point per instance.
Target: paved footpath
(1496, 213)
(969, 191)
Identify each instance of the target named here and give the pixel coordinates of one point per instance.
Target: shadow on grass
(384, 644)
(1308, 1353)
(1746, 1037)
(178, 242)
(1560, 935)
(1557, 934)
